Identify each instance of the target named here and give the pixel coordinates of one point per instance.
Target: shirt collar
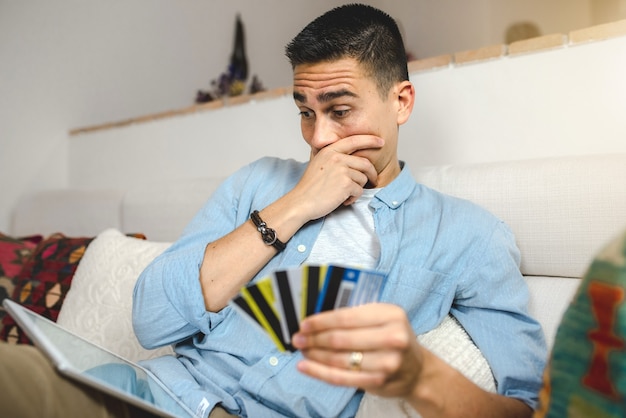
(398, 191)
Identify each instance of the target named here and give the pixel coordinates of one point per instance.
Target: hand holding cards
(279, 302)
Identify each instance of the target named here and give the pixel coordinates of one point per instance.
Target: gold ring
(356, 357)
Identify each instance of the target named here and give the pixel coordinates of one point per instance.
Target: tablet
(78, 359)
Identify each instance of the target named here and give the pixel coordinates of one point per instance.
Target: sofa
(562, 210)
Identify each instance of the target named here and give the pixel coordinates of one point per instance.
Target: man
(352, 203)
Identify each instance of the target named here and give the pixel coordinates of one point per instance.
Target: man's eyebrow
(299, 97)
(331, 95)
(325, 97)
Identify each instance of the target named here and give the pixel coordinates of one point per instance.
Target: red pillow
(14, 252)
(44, 280)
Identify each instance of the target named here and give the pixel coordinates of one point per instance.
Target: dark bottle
(238, 61)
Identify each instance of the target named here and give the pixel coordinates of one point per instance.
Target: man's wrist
(268, 235)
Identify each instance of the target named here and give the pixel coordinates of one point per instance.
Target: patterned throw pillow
(44, 280)
(14, 252)
(586, 375)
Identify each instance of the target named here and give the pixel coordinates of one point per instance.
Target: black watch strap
(267, 234)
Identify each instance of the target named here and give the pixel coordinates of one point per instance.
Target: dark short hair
(357, 31)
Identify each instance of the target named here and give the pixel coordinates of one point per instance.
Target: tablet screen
(80, 359)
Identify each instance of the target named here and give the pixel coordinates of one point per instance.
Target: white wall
(568, 101)
(69, 63)
(607, 10)
(66, 64)
(554, 16)
(561, 102)
(213, 142)
(448, 26)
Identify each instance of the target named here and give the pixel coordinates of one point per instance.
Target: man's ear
(405, 97)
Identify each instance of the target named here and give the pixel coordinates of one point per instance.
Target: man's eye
(305, 114)
(340, 113)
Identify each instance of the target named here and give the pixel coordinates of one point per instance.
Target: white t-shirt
(353, 228)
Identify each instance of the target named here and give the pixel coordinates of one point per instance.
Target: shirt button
(394, 203)
(273, 361)
(301, 248)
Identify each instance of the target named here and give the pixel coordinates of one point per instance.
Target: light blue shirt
(441, 254)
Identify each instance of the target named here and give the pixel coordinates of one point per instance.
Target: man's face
(336, 100)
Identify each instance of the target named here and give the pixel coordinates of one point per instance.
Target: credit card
(279, 302)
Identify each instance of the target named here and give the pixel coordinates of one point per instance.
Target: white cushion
(162, 210)
(562, 210)
(98, 305)
(549, 298)
(72, 212)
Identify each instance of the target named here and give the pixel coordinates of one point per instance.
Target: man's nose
(323, 133)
